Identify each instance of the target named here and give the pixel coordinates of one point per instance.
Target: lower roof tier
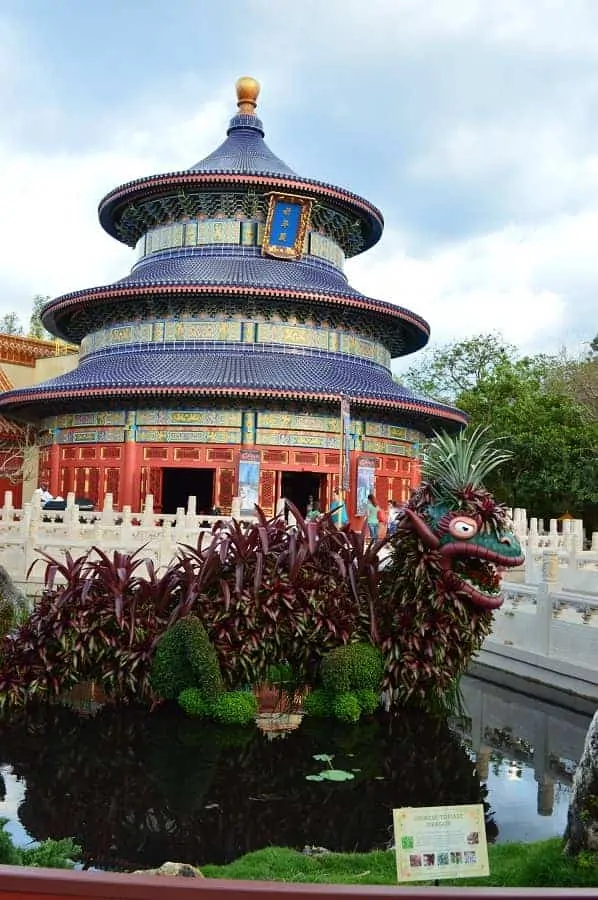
(136, 375)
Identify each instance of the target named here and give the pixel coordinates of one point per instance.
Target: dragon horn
(421, 529)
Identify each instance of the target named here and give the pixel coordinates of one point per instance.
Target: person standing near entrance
(338, 510)
(372, 512)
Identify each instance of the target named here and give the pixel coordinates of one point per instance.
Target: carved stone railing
(28, 532)
(550, 623)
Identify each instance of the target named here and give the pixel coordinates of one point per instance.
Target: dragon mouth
(477, 576)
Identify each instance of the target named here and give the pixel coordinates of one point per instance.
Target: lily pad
(314, 778)
(336, 775)
(323, 757)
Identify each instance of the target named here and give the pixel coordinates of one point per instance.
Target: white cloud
(51, 240)
(500, 101)
(520, 281)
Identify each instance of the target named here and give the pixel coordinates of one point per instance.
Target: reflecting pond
(136, 789)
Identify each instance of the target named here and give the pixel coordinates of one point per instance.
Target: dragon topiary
(442, 581)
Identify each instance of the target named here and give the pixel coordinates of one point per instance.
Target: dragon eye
(463, 527)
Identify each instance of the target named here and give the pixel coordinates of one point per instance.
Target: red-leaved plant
(264, 592)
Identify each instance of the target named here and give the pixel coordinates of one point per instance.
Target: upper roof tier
(242, 160)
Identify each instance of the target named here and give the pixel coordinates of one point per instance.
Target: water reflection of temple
(526, 731)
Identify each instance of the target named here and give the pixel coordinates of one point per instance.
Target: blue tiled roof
(238, 267)
(244, 150)
(301, 373)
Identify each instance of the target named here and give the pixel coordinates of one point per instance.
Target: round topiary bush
(318, 704)
(354, 667)
(368, 701)
(234, 708)
(366, 664)
(335, 671)
(346, 708)
(191, 701)
(184, 657)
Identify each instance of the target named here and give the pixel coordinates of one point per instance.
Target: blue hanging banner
(286, 226)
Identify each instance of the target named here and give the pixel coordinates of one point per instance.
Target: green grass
(541, 864)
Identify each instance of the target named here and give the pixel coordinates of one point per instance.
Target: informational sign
(434, 842)
(366, 480)
(286, 226)
(249, 481)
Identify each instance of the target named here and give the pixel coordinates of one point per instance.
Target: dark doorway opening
(300, 487)
(180, 484)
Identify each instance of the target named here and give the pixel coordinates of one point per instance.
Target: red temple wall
(130, 471)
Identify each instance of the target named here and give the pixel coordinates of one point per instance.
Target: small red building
(234, 359)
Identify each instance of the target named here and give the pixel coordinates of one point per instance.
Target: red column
(128, 468)
(54, 485)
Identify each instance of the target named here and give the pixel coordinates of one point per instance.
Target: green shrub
(335, 671)
(366, 665)
(7, 617)
(203, 659)
(171, 670)
(184, 657)
(368, 701)
(354, 667)
(346, 708)
(281, 675)
(234, 708)
(193, 703)
(318, 704)
(49, 854)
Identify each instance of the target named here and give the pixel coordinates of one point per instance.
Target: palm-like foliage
(455, 462)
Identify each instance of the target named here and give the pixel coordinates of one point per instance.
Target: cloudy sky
(472, 124)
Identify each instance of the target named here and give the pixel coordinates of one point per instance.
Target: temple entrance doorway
(180, 484)
(299, 487)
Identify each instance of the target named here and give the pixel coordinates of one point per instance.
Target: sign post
(345, 457)
(434, 842)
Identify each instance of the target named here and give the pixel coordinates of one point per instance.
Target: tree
(10, 324)
(553, 440)
(36, 329)
(16, 443)
(543, 408)
(448, 371)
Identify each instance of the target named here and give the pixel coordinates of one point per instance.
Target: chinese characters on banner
(286, 226)
(433, 842)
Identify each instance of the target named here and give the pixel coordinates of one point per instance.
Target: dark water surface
(136, 789)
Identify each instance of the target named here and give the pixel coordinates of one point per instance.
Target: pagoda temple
(235, 360)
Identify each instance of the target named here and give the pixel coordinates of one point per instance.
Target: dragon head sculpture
(443, 577)
(473, 541)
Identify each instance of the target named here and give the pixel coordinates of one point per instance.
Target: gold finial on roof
(247, 93)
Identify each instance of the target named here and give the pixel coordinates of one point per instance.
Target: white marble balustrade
(26, 533)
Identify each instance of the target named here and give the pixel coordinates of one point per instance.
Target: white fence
(551, 623)
(26, 533)
(557, 555)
